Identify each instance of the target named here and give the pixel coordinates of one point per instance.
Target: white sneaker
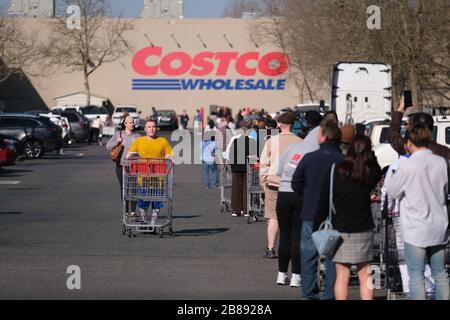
(155, 214)
(296, 281)
(143, 214)
(282, 279)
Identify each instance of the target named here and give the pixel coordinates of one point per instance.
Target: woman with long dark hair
(354, 179)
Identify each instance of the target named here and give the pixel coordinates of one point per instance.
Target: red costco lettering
(167, 61)
(264, 64)
(208, 63)
(202, 62)
(241, 63)
(139, 62)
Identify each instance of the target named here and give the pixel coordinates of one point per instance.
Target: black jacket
(398, 142)
(351, 200)
(239, 151)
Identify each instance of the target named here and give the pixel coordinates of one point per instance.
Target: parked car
(120, 110)
(68, 108)
(386, 154)
(62, 122)
(79, 125)
(92, 112)
(167, 119)
(18, 146)
(38, 134)
(301, 110)
(8, 152)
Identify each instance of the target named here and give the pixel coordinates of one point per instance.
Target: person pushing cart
(148, 178)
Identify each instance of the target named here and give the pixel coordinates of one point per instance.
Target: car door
(14, 127)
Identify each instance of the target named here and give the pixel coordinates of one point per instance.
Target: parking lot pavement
(66, 210)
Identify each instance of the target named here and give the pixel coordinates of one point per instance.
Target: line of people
(295, 175)
(419, 184)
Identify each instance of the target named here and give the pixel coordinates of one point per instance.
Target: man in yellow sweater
(150, 146)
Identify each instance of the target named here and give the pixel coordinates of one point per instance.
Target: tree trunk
(415, 87)
(86, 86)
(415, 77)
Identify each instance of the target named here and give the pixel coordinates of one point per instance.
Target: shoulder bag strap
(332, 209)
(120, 135)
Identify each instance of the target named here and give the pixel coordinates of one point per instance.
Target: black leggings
(289, 205)
(119, 175)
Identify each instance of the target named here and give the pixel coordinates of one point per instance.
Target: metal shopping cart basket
(106, 133)
(255, 192)
(150, 182)
(225, 178)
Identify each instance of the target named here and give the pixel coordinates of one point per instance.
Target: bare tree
(19, 47)
(98, 40)
(414, 39)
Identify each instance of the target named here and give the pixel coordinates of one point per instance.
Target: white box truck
(361, 91)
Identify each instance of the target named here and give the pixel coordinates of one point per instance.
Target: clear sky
(192, 8)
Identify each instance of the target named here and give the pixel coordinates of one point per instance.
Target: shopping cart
(255, 192)
(390, 273)
(106, 133)
(225, 177)
(150, 182)
(389, 258)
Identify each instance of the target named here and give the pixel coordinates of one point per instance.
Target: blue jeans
(415, 260)
(309, 259)
(215, 176)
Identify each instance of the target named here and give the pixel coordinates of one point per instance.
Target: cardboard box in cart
(361, 91)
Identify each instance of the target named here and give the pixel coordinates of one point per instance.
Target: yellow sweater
(151, 148)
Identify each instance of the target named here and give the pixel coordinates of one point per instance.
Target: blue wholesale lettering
(210, 84)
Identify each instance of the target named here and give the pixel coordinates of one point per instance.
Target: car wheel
(33, 149)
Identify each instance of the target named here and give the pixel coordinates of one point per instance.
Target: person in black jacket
(398, 142)
(354, 179)
(240, 147)
(307, 182)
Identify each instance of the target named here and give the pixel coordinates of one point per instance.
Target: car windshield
(126, 110)
(47, 122)
(384, 134)
(166, 113)
(93, 110)
(72, 117)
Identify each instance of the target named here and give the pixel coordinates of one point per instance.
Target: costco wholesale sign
(258, 71)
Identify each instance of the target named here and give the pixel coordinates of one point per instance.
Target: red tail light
(52, 129)
(83, 124)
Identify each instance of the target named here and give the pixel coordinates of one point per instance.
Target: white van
(361, 91)
(386, 154)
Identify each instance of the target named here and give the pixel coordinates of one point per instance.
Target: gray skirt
(355, 248)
